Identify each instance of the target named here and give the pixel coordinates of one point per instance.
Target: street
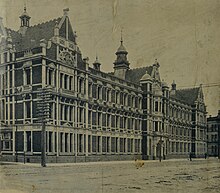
(171, 176)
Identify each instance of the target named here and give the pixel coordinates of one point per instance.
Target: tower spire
(121, 36)
(121, 64)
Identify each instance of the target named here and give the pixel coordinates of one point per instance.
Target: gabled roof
(134, 75)
(188, 95)
(33, 35)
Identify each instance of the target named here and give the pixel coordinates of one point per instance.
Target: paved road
(179, 176)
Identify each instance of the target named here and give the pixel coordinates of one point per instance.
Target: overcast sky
(183, 35)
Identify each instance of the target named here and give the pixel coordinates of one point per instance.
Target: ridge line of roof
(187, 88)
(45, 22)
(139, 68)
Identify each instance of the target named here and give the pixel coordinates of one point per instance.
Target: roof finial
(121, 36)
(96, 57)
(25, 7)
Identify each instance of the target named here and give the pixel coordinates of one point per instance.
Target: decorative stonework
(67, 57)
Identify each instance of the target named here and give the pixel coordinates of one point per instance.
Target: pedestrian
(205, 155)
(190, 156)
(164, 157)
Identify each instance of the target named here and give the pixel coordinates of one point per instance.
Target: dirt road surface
(173, 176)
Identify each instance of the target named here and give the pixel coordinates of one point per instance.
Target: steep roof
(188, 95)
(33, 35)
(134, 75)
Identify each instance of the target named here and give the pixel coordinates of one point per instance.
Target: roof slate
(188, 95)
(33, 35)
(134, 75)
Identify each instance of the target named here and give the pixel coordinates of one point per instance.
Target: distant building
(126, 114)
(213, 135)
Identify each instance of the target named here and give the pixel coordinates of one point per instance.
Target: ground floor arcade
(70, 144)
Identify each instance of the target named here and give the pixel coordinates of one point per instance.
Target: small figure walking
(205, 155)
(190, 156)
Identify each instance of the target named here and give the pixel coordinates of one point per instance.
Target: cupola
(121, 64)
(25, 22)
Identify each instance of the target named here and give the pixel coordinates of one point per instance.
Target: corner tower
(121, 64)
(25, 22)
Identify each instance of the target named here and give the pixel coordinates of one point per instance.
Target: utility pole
(16, 126)
(218, 127)
(43, 111)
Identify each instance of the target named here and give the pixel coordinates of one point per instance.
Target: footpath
(111, 162)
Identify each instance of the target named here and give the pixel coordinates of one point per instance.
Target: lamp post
(43, 111)
(17, 91)
(160, 148)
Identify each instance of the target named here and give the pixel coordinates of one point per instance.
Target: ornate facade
(93, 115)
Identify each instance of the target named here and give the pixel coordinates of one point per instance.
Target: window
(156, 126)
(70, 83)
(61, 80)
(156, 106)
(28, 76)
(99, 93)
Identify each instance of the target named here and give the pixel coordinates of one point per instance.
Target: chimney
(65, 11)
(173, 89)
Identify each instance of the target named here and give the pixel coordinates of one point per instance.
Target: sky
(183, 35)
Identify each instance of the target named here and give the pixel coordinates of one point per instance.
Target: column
(48, 76)
(53, 142)
(43, 73)
(148, 146)
(47, 135)
(62, 82)
(53, 112)
(31, 108)
(57, 142)
(31, 141)
(13, 99)
(62, 134)
(68, 143)
(75, 82)
(53, 78)
(76, 143)
(25, 141)
(63, 112)
(140, 145)
(73, 146)
(76, 114)
(31, 76)
(133, 146)
(162, 152)
(24, 111)
(126, 145)
(57, 77)
(58, 111)
(154, 151)
(8, 81)
(83, 143)
(13, 145)
(118, 144)
(109, 144)
(87, 114)
(68, 113)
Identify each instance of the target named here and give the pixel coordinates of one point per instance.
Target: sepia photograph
(109, 96)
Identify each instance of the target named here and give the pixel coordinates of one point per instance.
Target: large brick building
(126, 114)
(213, 135)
